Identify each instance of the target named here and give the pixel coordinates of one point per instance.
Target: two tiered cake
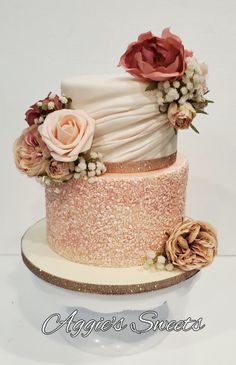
(106, 151)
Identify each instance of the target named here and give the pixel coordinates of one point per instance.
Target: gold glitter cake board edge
(82, 286)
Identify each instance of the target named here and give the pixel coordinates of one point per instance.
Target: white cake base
(57, 270)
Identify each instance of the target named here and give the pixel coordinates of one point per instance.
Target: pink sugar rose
(153, 58)
(30, 152)
(67, 133)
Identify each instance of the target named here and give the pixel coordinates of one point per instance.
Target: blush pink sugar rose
(67, 133)
(153, 58)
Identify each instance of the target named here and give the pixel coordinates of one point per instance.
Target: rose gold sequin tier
(117, 219)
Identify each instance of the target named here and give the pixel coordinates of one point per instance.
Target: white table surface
(213, 298)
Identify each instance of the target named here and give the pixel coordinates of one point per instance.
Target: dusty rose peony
(191, 245)
(30, 152)
(153, 58)
(67, 133)
(60, 171)
(181, 116)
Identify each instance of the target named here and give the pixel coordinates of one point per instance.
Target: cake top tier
(129, 125)
(116, 123)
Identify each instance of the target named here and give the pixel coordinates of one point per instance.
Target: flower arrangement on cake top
(173, 71)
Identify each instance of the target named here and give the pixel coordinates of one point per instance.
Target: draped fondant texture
(129, 125)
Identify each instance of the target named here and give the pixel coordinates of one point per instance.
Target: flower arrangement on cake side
(173, 71)
(56, 146)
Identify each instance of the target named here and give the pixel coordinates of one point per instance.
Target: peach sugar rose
(67, 133)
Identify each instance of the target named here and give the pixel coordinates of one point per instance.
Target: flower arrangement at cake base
(191, 245)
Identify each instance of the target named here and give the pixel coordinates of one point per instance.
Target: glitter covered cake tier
(117, 219)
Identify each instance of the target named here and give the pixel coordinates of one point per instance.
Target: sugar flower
(38, 111)
(67, 133)
(153, 58)
(191, 245)
(31, 153)
(181, 116)
(59, 171)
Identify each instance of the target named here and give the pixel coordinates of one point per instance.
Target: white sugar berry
(93, 154)
(77, 169)
(184, 90)
(51, 105)
(47, 181)
(39, 104)
(197, 79)
(63, 100)
(82, 166)
(104, 169)
(163, 108)
(189, 85)
(169, 267)
(77, 175)
(91, 166)
(166, 84)
(172, 94)
(98, 171)
(160, 101)
(189, 74)
(160, 86)
(99, 165)
(160, 266)
(183, 99)
(91, 173)
(151, 254)
(92, 180)
(161, 259)
(100, 155)
(176, 84)
(149, 261)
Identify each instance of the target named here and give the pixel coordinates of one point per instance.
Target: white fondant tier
(129, 125)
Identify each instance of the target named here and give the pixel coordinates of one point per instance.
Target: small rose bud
(181, 116)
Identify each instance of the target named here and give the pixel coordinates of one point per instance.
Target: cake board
(53, 268)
